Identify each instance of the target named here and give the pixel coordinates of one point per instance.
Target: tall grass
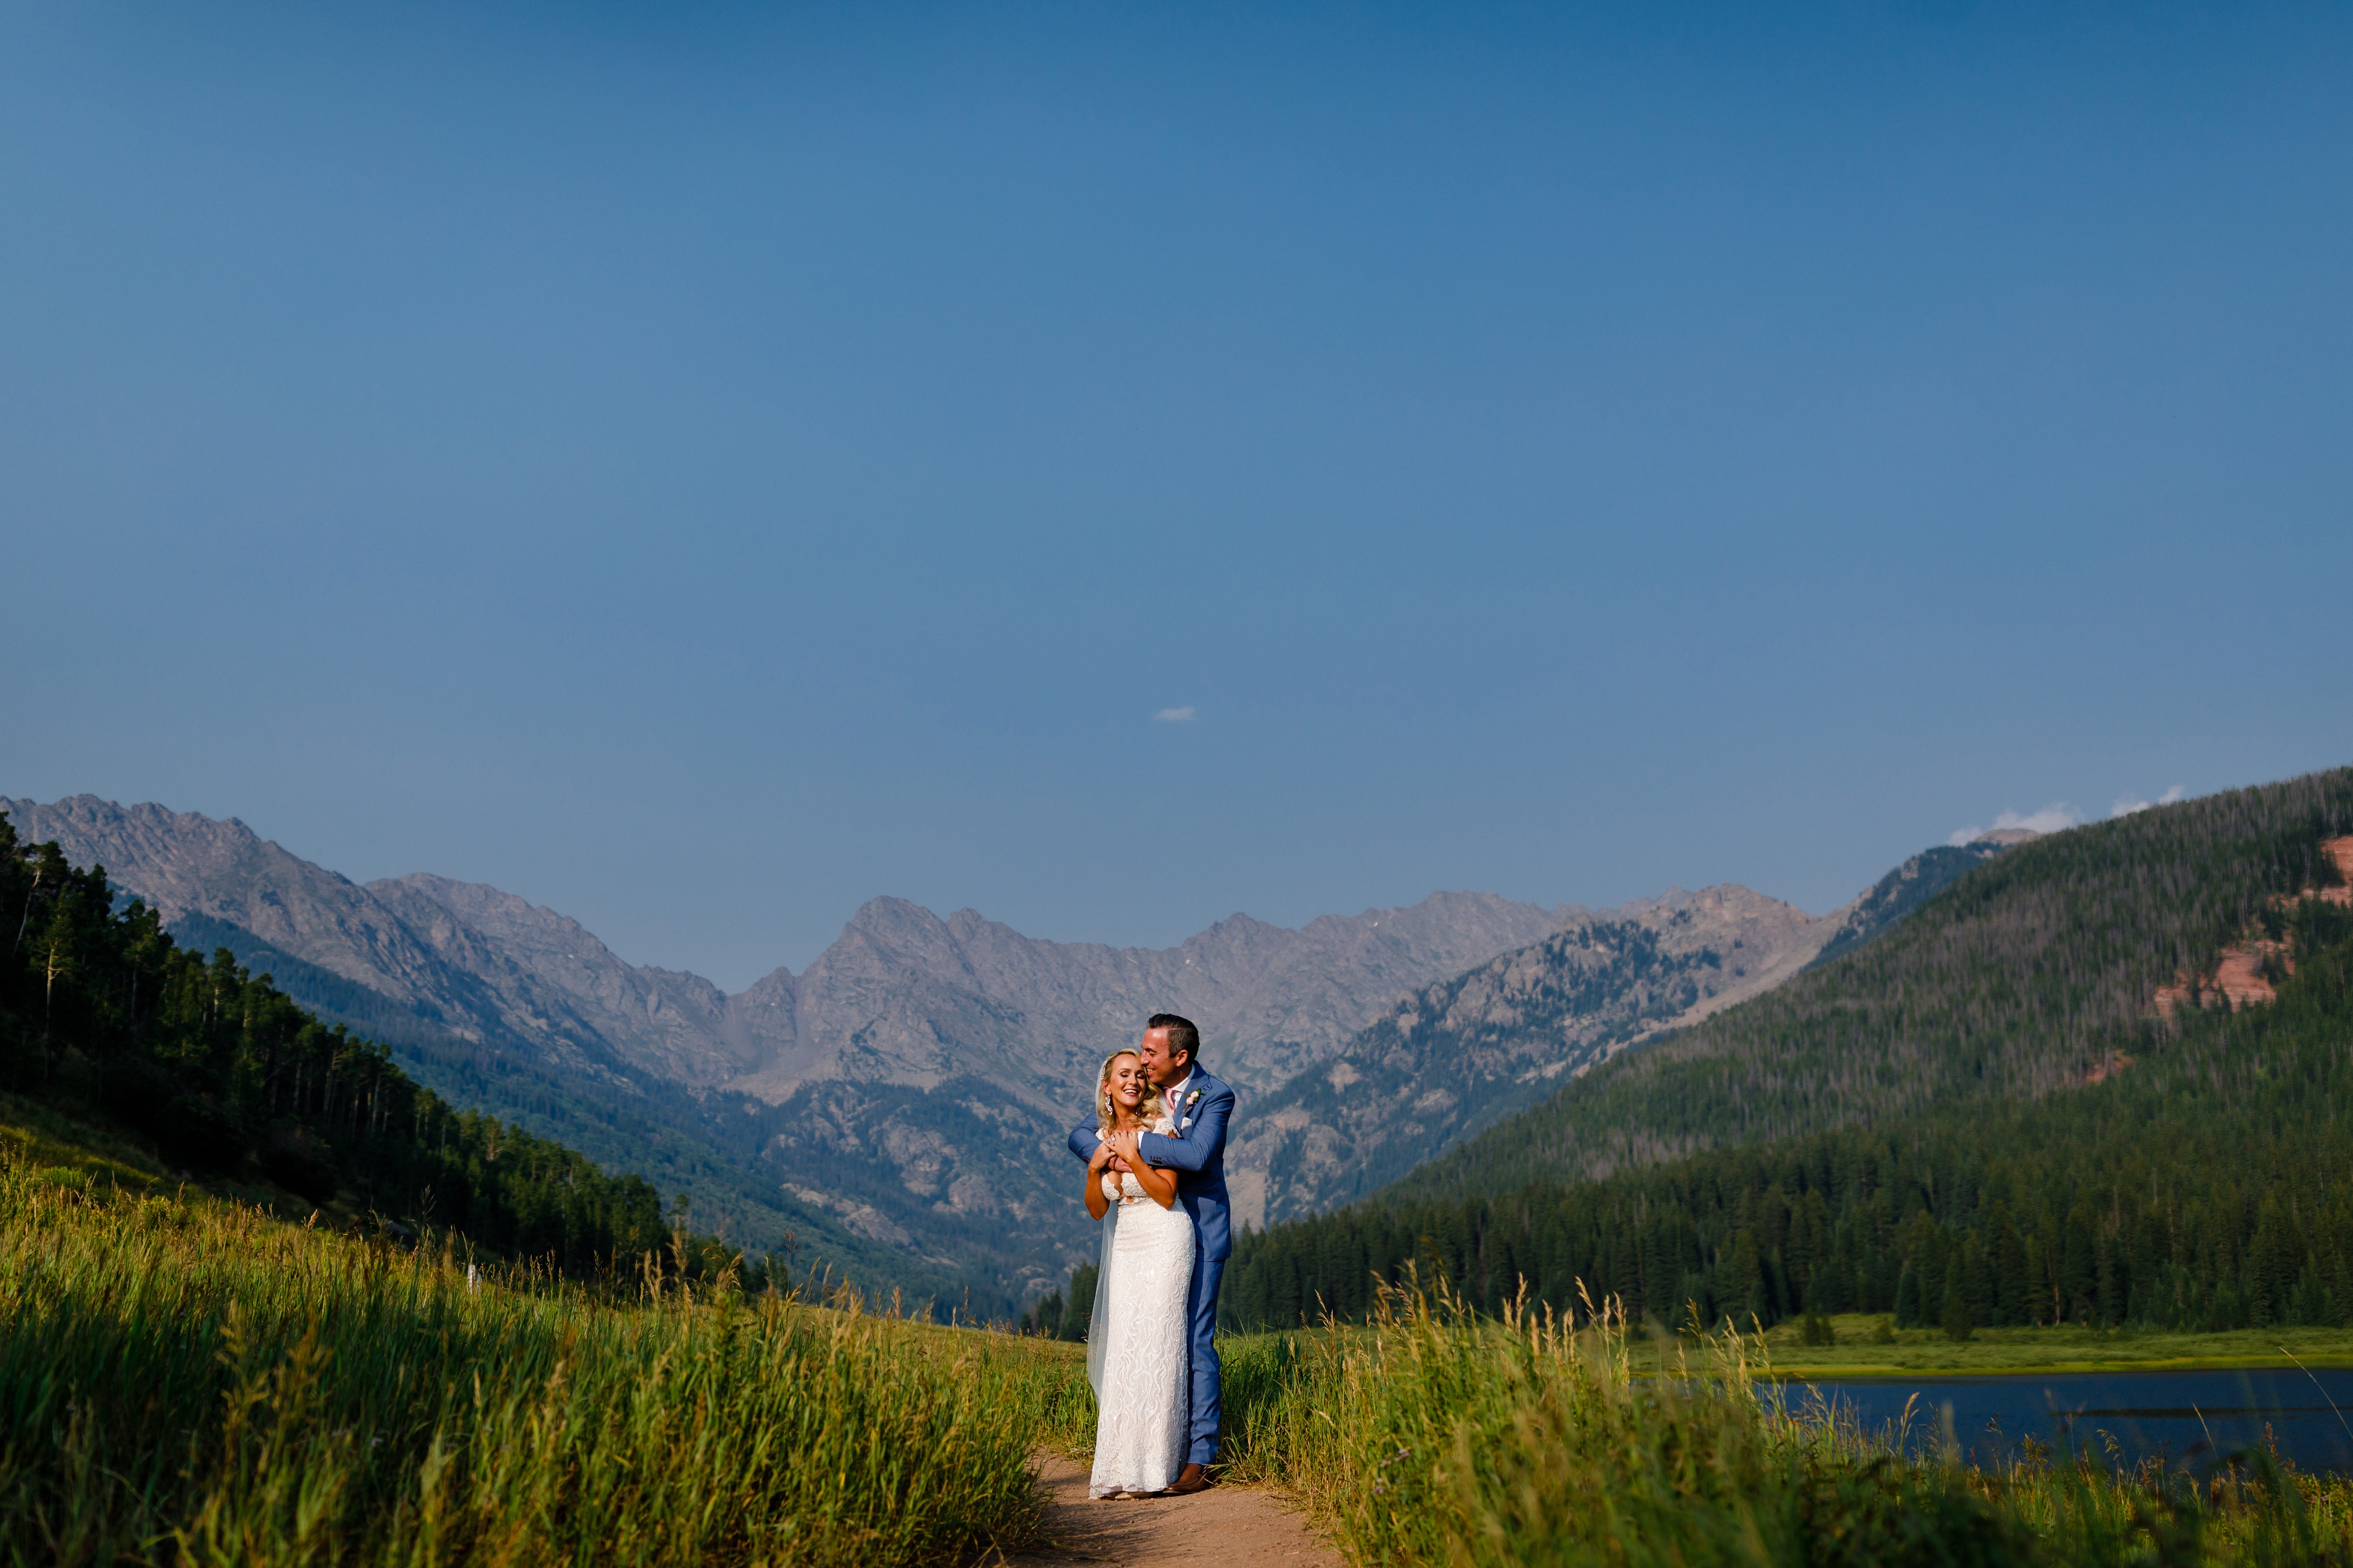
(192, 1381)
(1434, 1436)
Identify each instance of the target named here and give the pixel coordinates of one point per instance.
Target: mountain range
(1466, 1052)
(912, 1087)
(912, 1084)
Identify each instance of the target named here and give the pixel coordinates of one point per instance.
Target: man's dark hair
(1182, 1035)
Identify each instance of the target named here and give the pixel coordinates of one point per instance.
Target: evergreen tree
(1956, 1323)
(1081, 1309)
(2006, 1259)
(1908, 1299)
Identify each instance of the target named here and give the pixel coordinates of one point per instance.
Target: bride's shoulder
(1165, 1124)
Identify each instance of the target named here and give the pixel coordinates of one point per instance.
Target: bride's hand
(1104, 1158)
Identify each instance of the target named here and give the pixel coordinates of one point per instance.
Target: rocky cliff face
(670, 1023)
(1459, 1055)
(183, 863)
(906, 997)
(464, 961)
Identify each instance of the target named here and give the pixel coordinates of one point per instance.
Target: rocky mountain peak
(1456, 1053)
(926, 1069)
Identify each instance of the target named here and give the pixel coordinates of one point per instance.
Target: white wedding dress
(1139, 1350)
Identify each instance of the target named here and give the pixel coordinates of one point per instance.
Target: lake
(2185, 1417)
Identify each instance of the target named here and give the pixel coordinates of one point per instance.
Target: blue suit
(1196, 1152)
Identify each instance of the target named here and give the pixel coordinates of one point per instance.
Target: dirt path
(1224, 1525)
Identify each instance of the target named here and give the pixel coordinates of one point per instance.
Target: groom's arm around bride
(1199, 1144)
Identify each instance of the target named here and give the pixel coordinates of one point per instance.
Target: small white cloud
(2125, 805)
(1173, 716)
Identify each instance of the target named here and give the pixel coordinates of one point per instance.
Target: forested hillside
(103, 1014)
(223, 1073)
(708, 1143)
(1909, 885)
(2050, 1149)
(2205, 1183)
(2021, 978)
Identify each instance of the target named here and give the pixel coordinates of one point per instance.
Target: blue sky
(701, 472)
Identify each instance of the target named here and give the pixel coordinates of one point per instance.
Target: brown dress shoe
(1190, 1480)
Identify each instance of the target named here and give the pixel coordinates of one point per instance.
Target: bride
(1138, 1356)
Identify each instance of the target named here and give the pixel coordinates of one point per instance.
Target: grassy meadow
(186, 1379)
(1437, 1437)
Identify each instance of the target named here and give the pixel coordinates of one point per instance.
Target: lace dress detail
(1144, 1428)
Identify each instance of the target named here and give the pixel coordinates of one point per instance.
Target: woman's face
(1128, 1085)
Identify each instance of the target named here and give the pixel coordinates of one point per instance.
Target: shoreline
(1781, 1355)
(1881, 1373)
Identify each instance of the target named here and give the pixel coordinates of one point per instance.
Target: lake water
(2188, 1418)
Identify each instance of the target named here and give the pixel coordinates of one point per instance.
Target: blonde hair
(1150, 1110)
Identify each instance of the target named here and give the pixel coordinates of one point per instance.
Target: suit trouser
(1201, 1307)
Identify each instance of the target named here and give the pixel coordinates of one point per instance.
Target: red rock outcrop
(2340, 853)
(2238, 976)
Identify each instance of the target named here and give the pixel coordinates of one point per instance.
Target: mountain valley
(911, 1088)
(906, 1095)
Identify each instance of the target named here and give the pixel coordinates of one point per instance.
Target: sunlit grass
(195, 1381)
(186, 1379)
(1433, 1437)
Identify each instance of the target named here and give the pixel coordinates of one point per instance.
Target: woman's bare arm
(1098, 1204)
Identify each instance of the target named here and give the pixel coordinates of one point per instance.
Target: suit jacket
(1195, 1152)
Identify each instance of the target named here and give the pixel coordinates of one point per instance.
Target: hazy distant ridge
(915, 1083)
(926, 1067)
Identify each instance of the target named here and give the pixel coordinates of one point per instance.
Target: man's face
(1164, 1069)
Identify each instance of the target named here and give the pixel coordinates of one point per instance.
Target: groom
(1200, 1106)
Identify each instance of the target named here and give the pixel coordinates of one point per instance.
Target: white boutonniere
(1192, 1100)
